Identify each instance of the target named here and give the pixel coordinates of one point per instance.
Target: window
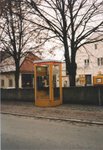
(86, 62)
(100, 61)
(10, 83)
(2, 83)
(95, 45)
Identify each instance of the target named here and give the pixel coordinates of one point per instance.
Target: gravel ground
(65, 111)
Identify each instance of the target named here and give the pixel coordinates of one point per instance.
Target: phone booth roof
(46, 61)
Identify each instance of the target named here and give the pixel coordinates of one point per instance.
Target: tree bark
(72, 74)
(17, 72)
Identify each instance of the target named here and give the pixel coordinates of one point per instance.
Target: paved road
(21, 133)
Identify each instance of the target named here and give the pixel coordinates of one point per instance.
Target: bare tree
(15, 32)
(72, 22)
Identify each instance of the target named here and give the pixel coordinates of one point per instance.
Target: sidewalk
(65, 112)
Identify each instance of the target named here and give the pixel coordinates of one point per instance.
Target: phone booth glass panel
(56, 82)
(42, 79)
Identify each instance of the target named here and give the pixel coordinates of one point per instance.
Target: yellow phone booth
(48, 83)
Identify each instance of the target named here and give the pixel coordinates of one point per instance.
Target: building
(90, 64)
(26, 77)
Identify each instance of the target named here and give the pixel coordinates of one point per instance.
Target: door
(56, 82)
(88, 79)
(42, 82)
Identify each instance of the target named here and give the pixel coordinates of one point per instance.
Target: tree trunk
(71, 65)
(72, 74)
(72, 80)
(17, 72)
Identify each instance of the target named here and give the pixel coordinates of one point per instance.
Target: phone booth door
(42, 82)
(56, 82)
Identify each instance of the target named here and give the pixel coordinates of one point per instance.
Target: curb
(81, 121)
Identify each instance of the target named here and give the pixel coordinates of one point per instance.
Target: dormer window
(100, 61)
(86, 62)
(95, 46)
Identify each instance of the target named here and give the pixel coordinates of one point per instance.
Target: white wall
(20, 80)
(89, 52)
